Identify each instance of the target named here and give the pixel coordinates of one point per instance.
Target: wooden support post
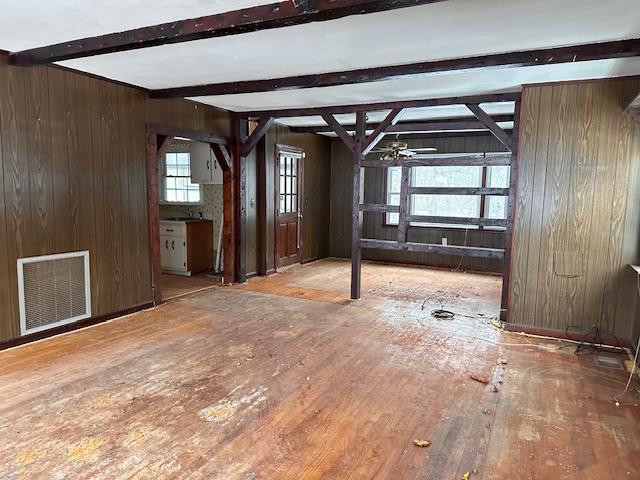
(405, 198)
(511, 212)
(356, 214)
(240, 174)
(224, 158)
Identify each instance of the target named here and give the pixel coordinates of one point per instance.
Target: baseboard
(553, 332)
(312, 259)
(87, 322)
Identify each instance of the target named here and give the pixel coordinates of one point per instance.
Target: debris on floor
(421, 443)
(479, 378)
(502, 361)
(466, 476)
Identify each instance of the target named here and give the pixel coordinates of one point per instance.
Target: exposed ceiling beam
(340, 131)
(251, 19)
(464, 123)
(372, 107)
(378, 132)
(529, 58)
(260, 131)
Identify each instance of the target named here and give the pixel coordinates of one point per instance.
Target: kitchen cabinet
(186, 246)
(204, 167)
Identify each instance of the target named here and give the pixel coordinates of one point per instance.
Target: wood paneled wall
(577, 219)
(341, 194)
(73, 177)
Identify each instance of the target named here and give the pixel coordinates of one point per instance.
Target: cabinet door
(166, 257)
(179, 252)
(172, 253)
(201, 163)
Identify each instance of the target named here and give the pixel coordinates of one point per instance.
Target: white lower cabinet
(173, 247)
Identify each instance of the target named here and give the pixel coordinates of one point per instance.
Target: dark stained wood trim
(458, 191)
(456, 161)
(491, 125)
(224, 158)
(339, 130)
(562, 334)
(510, 221)
(370, 107)
(69, 327)
(433, 248)
(258, 134)
(529, 58)
(378, 133)
(463, 123)
(251, 19)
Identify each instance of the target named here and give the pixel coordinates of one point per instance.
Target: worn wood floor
(285, 378)
(176, 285)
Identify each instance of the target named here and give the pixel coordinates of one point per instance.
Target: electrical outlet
(445, 241)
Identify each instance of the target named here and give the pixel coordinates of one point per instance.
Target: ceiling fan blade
(426, 149)
(406, 153)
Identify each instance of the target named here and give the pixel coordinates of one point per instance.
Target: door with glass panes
(288, 241)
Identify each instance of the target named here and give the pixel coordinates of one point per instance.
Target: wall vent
(53, 290)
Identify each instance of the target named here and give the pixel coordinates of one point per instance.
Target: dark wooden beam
(443, 161)
(205, 137)
(258, 133)
(405, 200)
(371, 107)
(224, 158)
(240, 200)
(251, 19)
(458, 191)
(491, 125)
(340, 131)
(378, 207)
(433, 248)
(356, 214)
(470, 221)
(528, 58)
(378, 133)
(466, 123)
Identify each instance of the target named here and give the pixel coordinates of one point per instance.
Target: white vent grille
(53, 290)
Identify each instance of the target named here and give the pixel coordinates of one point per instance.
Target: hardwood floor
(176, 285)
(286, 378)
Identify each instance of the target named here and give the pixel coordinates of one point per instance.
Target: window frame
(485, 177)
(163, 180)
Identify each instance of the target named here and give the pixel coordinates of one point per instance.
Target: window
(288, 183)
(177, 179)
(449, 205)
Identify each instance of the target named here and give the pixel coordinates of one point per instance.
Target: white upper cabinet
(204, 167)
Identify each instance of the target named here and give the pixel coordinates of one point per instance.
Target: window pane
(194, 195)
(498, 176)
(294, 166)
(495, 206)
(172, 170)
(288, 203)
(183, 171)
(294, 184)
(393, 218)
(288, 166)
(170, 159)
(171, 196)
(281, 203)
(394, 175)
(283, 163)
(294, 203)
(393, 199)
(182, 159)
(181, 182)
(282, 177)
(446, 205)
(171, 183)
(447, 176)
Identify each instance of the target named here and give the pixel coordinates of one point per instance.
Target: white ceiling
(450, 29)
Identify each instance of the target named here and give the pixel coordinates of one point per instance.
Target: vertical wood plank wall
(578, 208)
(73, 177)
(341, 172)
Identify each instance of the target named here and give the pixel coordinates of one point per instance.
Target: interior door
(288, 207)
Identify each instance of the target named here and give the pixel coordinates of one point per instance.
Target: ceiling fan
(396, 150)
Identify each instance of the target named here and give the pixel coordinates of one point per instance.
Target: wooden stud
(405, 199)
(491, 125)
(455, 160)
(482, 252)
(458, 191)
(356, 214)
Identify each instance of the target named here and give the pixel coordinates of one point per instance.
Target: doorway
(289, 204)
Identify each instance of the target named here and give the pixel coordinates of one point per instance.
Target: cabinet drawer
(173, 229)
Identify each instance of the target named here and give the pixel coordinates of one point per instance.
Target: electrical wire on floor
(443, 313)
(594, 341)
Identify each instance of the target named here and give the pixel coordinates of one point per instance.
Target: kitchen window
(176, 180)
(450, 205)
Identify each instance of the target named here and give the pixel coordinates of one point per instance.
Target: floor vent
(53, 290)
(605, 361)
